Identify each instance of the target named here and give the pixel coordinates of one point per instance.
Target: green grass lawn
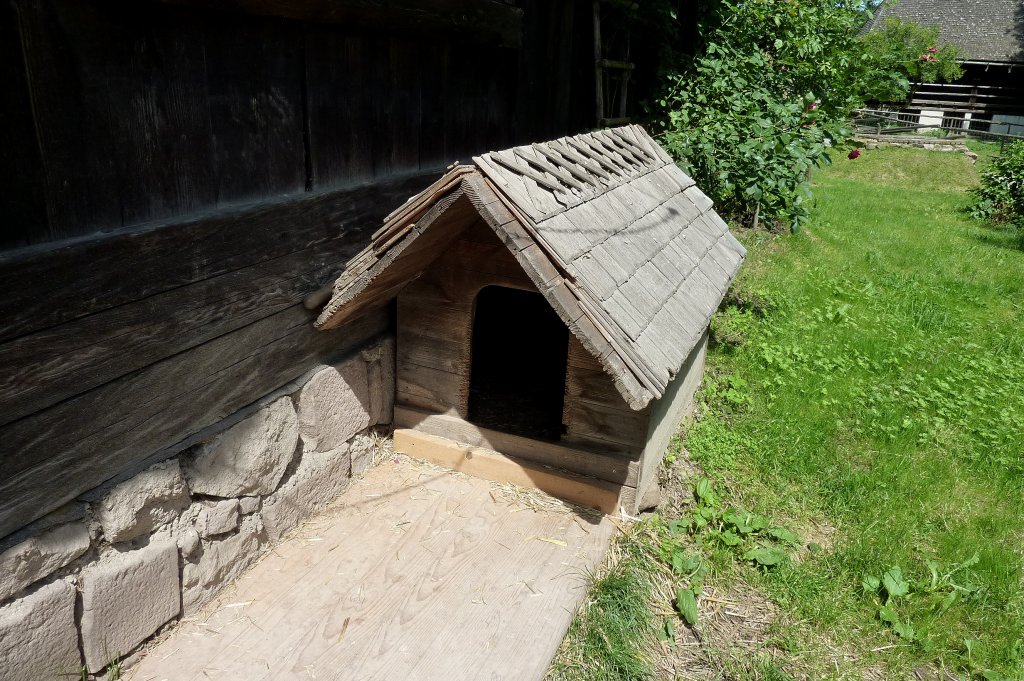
(866, 391)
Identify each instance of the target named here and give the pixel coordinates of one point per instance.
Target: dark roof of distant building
(986, 30)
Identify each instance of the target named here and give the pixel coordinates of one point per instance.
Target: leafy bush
(764, 102)
(1000, 198)
(902, 51)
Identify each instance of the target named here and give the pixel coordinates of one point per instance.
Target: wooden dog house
(553, 305)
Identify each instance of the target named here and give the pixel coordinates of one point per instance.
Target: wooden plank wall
(434, 331)
(595, 415)
(435, 320)
(176, 179)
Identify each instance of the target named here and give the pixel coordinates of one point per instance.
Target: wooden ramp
(413, 573)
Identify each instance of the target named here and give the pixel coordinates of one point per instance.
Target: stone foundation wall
(929, 143)
(108, 572)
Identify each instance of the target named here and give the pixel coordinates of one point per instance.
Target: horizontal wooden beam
(48, 285)
(606, 465)
(481, 20)
(490, 465)
(46, 367)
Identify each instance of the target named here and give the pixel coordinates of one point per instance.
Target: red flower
(853, 154)
(933, 50)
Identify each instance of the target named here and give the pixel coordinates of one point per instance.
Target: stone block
(40, 556)
(126, 597)
(361, 451)
(38, 638)
(221, 562)
(138, 505)
(248, 505)
(217, 517)
(189, 543)
(334, 405)
(248, 458)
(319, 477)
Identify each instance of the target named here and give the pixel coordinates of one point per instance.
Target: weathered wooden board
(435, 319)
(23, 200)
(594, 413)
(592, 422)
(48, 366)
(484, 21)
(605, 465)
(151, 113)
(78, 278)
(430, 389)
(490, 465)
(413, 573)
(667, 415)
(52, 456)
(340, 88)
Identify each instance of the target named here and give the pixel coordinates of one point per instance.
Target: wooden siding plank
(490, 465)
(609, 465)
(588, 420)
(23, 200)
(74, 279)
(45, 367)
(483, 21)
(430, 389)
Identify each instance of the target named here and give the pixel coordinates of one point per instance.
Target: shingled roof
(622, 244)
(986, 30)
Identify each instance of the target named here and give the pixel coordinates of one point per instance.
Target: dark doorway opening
(517, 378)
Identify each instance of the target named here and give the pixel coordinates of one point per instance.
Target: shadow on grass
(1000, 236)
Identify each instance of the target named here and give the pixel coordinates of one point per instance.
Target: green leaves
(1000, 198)
(902, 628)
(894, 584)
(871, 584)
(686, 603)
(703, 491)
(667, 632)
(765, 556)
(784, 535)
(900, 51)
(751, 115)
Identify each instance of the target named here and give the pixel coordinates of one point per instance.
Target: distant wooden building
(553, 304)
(990, 95)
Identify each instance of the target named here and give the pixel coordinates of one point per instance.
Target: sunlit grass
(886, 399)
(865, 390)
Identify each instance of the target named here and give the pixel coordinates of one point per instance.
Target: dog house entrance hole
(519, 353)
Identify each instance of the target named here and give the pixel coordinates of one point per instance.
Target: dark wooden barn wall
(177, 179)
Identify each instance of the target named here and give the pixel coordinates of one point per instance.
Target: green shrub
(902, 51)
(760, 107)
(1000, 198)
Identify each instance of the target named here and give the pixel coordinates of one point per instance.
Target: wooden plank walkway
(412, 573)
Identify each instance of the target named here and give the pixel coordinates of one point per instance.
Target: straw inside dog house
(552, 310)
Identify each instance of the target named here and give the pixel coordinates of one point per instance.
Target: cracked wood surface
(412, 573)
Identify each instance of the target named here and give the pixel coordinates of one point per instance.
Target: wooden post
(625, 83)
(598, 71)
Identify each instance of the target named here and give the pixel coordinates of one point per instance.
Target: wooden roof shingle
(620, 241)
